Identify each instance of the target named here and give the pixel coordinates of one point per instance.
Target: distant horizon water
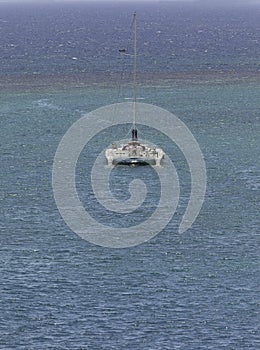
(37, 50)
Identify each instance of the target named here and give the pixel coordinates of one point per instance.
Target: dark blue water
(76, 40)
(198, 290)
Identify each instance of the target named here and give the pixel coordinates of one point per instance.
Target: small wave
(46, 103)
(251, 177)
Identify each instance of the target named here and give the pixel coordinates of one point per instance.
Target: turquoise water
(198, 290)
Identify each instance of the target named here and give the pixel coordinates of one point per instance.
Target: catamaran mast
(134, 131)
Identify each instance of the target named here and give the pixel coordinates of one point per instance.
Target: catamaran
(134, 152)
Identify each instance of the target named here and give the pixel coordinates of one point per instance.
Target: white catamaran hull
(134, 153)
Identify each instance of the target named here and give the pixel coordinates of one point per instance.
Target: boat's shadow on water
(132, 165)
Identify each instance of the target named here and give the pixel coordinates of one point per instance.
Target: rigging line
(124, 73)
(124, 62)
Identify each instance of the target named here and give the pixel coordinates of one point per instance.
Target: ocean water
(196, 290)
